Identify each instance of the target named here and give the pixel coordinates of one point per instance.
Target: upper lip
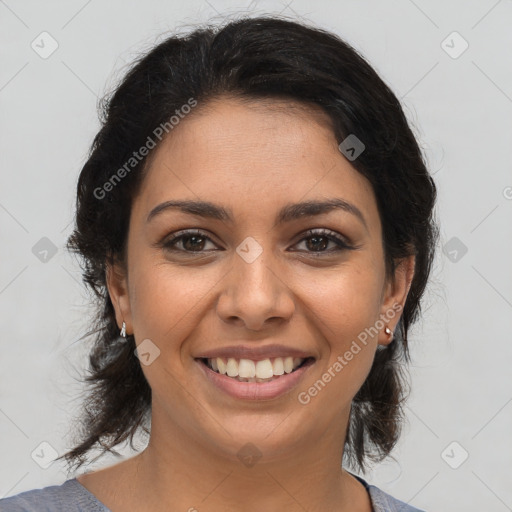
(254, 353)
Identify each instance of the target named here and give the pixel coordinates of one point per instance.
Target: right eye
(192, 242)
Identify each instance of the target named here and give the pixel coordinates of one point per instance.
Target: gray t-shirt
(72, 496)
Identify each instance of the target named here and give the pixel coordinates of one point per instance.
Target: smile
(247, 370)
(255, 380)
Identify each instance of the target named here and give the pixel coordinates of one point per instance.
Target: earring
(123, 331)
(389, 332)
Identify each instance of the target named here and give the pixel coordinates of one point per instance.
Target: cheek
(344, 306)
(167, 304)
(343, 303)
(165, 299)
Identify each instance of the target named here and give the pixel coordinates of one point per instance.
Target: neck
(183, 472)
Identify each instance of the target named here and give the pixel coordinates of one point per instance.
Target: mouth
(247, 370)
(255, 380)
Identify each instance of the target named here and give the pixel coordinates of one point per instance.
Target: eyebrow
(288, 213)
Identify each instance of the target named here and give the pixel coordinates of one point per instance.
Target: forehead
(250, 155)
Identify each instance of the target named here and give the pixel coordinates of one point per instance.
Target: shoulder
(383, 502)
(70, 496)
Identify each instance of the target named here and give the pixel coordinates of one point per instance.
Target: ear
(117, 285)
(395, 296)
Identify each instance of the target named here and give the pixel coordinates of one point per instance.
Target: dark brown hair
(254, 58)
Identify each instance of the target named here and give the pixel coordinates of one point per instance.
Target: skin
(252, 158)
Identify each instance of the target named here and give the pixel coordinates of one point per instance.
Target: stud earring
(389, 332)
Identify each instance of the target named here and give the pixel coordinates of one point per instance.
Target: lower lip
(255, 390)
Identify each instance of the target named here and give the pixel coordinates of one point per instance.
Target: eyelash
(326, 233)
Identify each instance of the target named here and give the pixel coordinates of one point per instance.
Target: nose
(254, 294)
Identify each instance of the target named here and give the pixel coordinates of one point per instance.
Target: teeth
(263, 369)
(232, 368)
(254, 371)
(247, 369)
(278, 366)
(221, 365)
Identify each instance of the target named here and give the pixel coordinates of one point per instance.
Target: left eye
(324, 236)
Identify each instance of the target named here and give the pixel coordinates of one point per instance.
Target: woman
(256, 219)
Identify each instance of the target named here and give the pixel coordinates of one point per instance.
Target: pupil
(195, 238)
(315, 241)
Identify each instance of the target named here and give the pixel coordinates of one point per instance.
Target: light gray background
(461, 110)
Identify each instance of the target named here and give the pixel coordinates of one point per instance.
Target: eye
(192, 241)
(319, 239)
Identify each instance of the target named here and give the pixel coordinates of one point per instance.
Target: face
(254, 277)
